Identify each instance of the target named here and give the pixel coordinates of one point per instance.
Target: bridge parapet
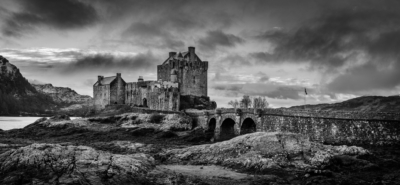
(326, 126)
(334, 114)
(310, 113)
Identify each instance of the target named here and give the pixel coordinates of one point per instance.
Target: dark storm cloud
(151, 35)
(228, 87)
(320, 40)
(217, 38)
(367, 77)
(382, 71)
(108, 61)
(284, 93)
(340, 38)
(59, 14)
(262, 77)
(271, 90)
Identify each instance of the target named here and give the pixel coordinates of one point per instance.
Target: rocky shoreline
(134, 148)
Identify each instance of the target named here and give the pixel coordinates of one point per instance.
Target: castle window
(194, 79)
(173, 64)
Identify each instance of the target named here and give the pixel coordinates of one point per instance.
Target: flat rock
(261, 151)
(56, 164)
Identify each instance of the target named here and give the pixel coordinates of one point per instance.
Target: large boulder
(59, 118)
(62, 121)
(56, 164)
(261, 151)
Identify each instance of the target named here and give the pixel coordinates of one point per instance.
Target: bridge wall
(322, 126)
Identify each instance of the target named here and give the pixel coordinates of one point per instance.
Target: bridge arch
(248, 126)
(212, 124)
(227, 129)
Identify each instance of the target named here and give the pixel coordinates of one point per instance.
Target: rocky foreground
(165, 149)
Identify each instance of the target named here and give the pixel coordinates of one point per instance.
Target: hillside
(61, 94)
(362, 104)
(18, 96)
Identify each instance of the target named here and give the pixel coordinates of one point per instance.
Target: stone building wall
(191, 72)
(113, 92)
(101, 96)
(193, 79)
(120, 89)
(158, 95)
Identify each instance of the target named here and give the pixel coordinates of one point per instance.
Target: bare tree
(260, 103)
(233, 103)
(245, 102)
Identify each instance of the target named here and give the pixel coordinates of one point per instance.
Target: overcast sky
(274, 48)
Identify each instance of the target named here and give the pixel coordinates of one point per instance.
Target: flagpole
(305, 98)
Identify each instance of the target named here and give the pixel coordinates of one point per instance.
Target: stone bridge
(323, 126)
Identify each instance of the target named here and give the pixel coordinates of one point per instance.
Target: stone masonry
(181, 84)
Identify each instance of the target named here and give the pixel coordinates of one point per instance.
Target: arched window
(194, 79)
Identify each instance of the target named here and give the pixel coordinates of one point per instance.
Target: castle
(181, 84)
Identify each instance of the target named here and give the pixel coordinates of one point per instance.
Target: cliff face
(62, 94)
(12, 81)
(17, 95)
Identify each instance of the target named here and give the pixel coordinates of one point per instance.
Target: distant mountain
(18, 96)
(362, 104)
(62, 94)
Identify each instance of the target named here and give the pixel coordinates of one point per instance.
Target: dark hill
(18, 96)
(362, 104)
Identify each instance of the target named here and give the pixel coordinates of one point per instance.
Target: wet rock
(196, 135)
(56, 164)
(109, 119)
(166, 134)
(261, 151)
(124, 147)
(142, 131)
(59, 118)
(40, 120)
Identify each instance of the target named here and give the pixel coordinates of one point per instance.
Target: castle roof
(106, 80)
(182, 54)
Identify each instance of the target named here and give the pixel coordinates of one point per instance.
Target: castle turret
(140, 79)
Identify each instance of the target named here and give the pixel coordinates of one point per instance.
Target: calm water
(7, 123)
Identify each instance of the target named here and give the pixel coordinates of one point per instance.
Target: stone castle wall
(113, 93)
(155, 97)
(101, 96)
(182, 75)
(194, 79)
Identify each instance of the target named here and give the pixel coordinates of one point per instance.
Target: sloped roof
(106, 80)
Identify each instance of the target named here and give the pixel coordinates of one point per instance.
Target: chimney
(191, 52)
(171, 54)
(118, 75)
(99, 78)
(140, 79)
